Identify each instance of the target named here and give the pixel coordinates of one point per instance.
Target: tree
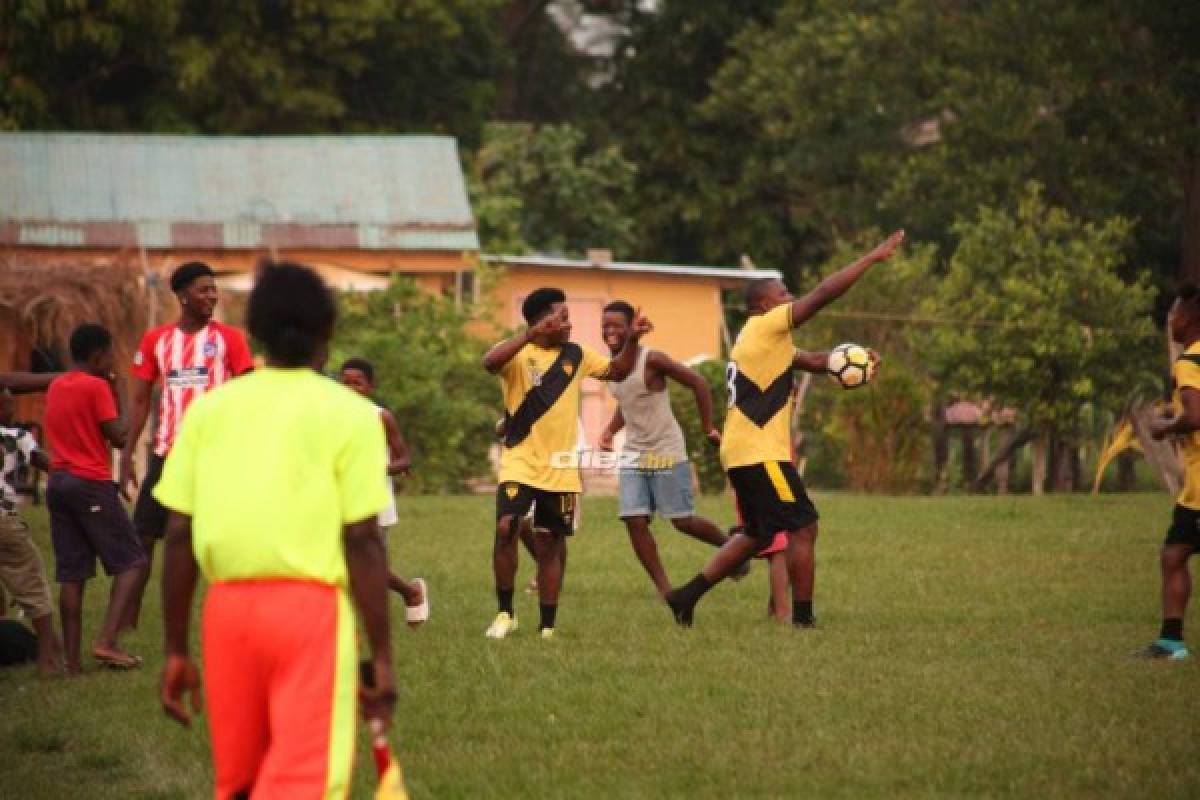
(421, 351)
(1037, 317)
(907, 113)
(540, 189)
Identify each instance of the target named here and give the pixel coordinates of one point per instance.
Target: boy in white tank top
(358, 375)
(661, 481)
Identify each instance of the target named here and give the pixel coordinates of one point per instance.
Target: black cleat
(680, 609)
(805, 624)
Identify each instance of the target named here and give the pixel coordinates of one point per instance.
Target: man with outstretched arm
(756, 442)
(541, 374)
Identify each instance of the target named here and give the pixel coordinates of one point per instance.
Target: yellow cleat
(502, 626)
(547, 633)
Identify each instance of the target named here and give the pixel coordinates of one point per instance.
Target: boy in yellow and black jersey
(755, 445)
(1183, 537)
(541, 373)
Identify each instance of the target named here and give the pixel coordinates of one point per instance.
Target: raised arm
(366, 563)
(399, 454)
(620, 367)
(837, 284)
(139, 411)
(504, 352)
(686, 376)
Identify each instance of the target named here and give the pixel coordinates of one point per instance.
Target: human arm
(399, 454)
(837, 284)
(620, 367)
(366, 564)
(610, 430)
(139, 411)
(1184, 422)
(495, 359)
(26, 382)
(180, 677)
(663, 364)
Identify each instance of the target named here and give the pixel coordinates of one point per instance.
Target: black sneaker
(681, 610)
(806, 624)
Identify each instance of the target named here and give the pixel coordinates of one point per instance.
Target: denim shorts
(667, 492)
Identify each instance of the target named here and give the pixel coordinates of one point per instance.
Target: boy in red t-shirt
(87, 519)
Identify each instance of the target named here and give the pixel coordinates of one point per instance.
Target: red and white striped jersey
(189, 364)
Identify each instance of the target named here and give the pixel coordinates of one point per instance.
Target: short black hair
(755, 290)
(89, 339)
(291, 311)
(621, 307)
(186, 274)
(360, 364)
(538, 303)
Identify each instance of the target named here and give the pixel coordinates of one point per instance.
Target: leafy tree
(1038, 318)
(428, 374)
(906, 113)
(540, 189)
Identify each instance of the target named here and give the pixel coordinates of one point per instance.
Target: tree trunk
(941, 451)
(1040, 457)
(1126, 476)
(1003, 460)
(1189, 265)
(970, 461)
(1065, 462)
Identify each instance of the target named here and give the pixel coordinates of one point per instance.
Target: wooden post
(1040, 454)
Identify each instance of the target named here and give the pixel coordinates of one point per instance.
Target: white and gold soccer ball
(850, 365)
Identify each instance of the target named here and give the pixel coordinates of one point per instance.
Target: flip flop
(418, 615)
(118, 660)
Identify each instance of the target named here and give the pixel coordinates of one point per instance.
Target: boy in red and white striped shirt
(189, 357)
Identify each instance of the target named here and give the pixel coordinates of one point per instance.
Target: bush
(882, 432)
(427, 372)
(704, 456)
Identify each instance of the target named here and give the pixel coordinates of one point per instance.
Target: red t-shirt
(76, 404)
(190, 364)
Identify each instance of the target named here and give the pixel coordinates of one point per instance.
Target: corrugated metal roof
(234, 192)
(724, 273)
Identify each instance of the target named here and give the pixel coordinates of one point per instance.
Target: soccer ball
(850, 365)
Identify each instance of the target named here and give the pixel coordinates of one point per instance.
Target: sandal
(115, 659)
(418, 615)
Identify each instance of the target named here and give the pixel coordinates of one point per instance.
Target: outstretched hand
(883, 251)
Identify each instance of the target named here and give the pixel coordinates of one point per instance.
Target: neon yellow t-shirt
(1187, 376)
(539, 460)
(270, 467)
(759, 381)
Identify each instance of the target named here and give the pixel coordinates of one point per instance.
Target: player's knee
(506, 528)
(682, 524)
(1174, 557)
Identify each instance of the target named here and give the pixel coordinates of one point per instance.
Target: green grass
(969, 646)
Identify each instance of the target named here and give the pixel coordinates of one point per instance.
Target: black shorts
(149, 515)
(87, 521)
(552, 511)
(772, 498)
(1185, 528)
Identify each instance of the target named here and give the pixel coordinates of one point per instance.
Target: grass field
(968, 646)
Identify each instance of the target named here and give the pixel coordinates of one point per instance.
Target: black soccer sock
(504, 600)
(690, 593)
(549, 612)
(802, 612)
(1172, 629)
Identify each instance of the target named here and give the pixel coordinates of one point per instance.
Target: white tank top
(650, 425)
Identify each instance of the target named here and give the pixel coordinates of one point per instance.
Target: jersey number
(731, 373)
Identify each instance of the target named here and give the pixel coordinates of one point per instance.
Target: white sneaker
(502, 626)
(547, 633)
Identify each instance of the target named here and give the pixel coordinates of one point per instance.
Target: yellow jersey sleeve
(176, 489)
(1187, 375)
(360, 468)
(593, 365)
(778, 321)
